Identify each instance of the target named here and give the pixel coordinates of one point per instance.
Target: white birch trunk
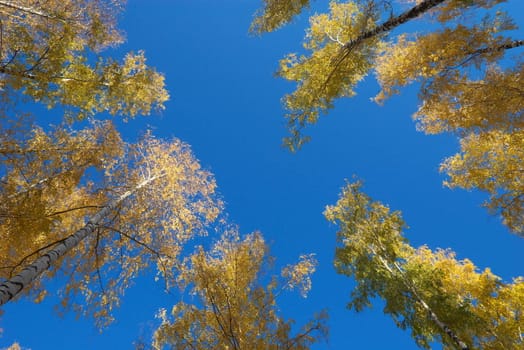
(11, 288)
(432, 315)
(30, 10)
(414, 12)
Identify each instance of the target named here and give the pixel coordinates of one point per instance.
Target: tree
(457, 62)
(72, 201)
(50, 53)
(147, 201)
(54, 180)
(430, 292)
(348, 42)
(44, 191)
(235, 308)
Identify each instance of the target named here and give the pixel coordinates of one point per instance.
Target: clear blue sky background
(226, 105)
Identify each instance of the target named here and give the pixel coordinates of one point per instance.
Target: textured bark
(510, 45)
(390, 24)
(414, 12)
(25, 75)
(11, 288)
(30, 10)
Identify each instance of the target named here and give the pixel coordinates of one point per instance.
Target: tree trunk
(30, 10)
(432, 315)
(390, 24)
(11, 288)
(394, 22)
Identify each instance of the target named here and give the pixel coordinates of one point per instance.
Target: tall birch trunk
(390, 24)
(11, 288)
(394, 22)
(30, 10)
(461, 345)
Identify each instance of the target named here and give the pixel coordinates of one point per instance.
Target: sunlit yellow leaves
(236, 306)
(275, 14)
(46, 50)
(460, 105)
(463, 89)
(486, 113)
(298, 275)
(42, 194)
(438, 54)
(14, 346)
(453, 9)
(93, 22)
(493, 162)
(494, 309)
(423, 290)
(323, 76)
(55, 182)
(173, 199)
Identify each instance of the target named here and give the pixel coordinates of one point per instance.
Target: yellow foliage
(460, 105)
(321, 78)
(485, 113)
(173, 200)
(423, 290)
(14, 346)
(439, 54)
(235, 309)
(493, 162)
(43, 192)
(45, 50)
(456, 60)
(57, 181)
(275, 14)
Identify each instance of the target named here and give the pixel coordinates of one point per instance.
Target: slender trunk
(403, 18)
(444, 327)
(4, 70)
(510, 45)
(390, 24)
(394, 22)
(30, 10)
(26, 75)
(432, 315)
(11, 288)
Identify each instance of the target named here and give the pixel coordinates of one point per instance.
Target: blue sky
(226, 104)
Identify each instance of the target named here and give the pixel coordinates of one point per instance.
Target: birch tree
(432, 293)
(44, 189)
(464, 88)
(46, 51)
(352, 39)
(236, 304)
(143, 205)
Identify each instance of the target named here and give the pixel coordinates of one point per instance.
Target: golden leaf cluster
(56, 181)
(235, 308)
(45, 56)
(430, 292)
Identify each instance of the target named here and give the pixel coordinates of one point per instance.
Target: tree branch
(10, 289)
(411, 287)
(30, 255)
(97, 261)
(390, 24)
(32, 11)
(74, 209)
